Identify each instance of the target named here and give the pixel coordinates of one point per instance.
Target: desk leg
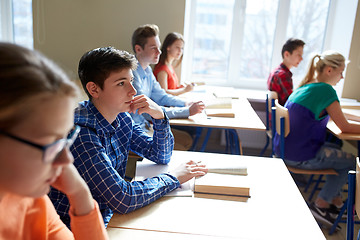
(206, 139)
(235, 142)
(196, 139)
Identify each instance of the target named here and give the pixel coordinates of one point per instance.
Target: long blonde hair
(26, 79)
(319, 62)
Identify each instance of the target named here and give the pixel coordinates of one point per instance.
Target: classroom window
(16, 22)
(238, 42)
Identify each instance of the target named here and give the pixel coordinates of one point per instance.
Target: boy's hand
(187, 171)
(143, 104)
(195, 108)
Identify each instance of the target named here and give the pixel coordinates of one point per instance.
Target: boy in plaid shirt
(280, 79)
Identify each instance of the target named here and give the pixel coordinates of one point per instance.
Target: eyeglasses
(53, 150)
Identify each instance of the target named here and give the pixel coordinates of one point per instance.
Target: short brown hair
(142, 33)
(291, 44)
(97, 64)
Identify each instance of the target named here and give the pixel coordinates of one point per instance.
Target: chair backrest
(271, 96)
(357, 187)
(353, 201)
(281, 124)
(282, 113)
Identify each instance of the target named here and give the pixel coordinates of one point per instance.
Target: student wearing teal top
(310, 107)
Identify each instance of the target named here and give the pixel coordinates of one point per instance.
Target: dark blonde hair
(142, 33)
(169, 40)
(328, 58)
(27, 78)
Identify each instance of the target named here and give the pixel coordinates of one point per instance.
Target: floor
(339, 235)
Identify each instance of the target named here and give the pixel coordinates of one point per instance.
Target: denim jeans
(329, 156)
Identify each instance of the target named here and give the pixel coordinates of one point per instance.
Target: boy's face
(295, 57)
(150, 54)
(117, 92)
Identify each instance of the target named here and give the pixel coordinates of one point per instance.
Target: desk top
(245, 115)
(345, 136)
(276, 209)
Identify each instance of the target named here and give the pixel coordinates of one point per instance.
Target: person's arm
(337, 115)
(157, 148)
(86, 220)
(162, 78)
(284, 88)
(103, 170)
(159, 95)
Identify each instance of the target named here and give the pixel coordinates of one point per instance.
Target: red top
(172, 80)
(280, 81)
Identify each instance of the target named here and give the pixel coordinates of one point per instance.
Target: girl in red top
(171, 51)
(36, 129)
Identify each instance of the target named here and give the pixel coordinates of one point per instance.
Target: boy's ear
(93, 89)
(286, 54)
(138, 48)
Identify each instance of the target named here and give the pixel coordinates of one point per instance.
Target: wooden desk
(245, 117)
(346, 136)
(276, 209)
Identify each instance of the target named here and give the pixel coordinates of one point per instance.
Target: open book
(223, 184)
(228, 170)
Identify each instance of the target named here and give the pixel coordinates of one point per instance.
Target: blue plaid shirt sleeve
(108, 186)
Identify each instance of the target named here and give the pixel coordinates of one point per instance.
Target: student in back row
(171, 50)
(280, 79)
(36, 131)
(146, 45)
(310, 107)
(108, 133)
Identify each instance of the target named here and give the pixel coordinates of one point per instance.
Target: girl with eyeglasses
(36, 130)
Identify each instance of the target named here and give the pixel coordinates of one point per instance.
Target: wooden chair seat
(310, 171)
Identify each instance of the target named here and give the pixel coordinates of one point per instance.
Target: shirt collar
(103, 124)
(283, 66)
(143, 73)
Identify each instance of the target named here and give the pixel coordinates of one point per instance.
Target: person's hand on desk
(188, 170)
(143, 104)
(189, 87)
(196, 107)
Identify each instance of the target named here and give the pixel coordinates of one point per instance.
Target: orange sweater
(29, 218)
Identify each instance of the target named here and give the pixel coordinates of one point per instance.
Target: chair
(270, 102)
(282, 126)
(353, 201)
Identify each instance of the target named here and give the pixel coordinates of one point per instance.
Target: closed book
(223, 184)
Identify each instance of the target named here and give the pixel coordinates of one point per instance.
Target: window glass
(212, 38)
(22, 22)
(307, 21)
(258, 37)
(234, 40)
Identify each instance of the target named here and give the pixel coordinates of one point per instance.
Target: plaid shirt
(280, 81)
(146, 83)
(100, 154)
